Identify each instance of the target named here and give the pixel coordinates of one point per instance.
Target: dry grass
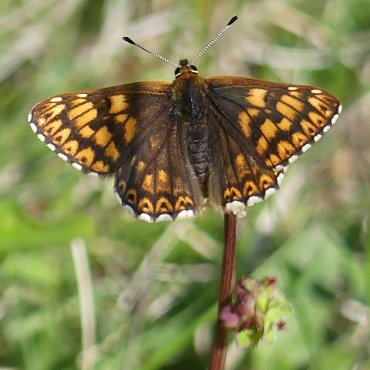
(155, 286)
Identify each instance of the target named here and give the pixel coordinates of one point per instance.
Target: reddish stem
(227, 284)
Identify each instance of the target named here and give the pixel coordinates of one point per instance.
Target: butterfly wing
(157, 184)
(128, 131)
(95, 130)
(237, 177)
(263, 126)
(279, 121)
(131, 130)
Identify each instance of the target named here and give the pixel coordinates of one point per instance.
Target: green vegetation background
(155, 286)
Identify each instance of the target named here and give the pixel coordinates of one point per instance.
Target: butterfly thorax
(189, 96)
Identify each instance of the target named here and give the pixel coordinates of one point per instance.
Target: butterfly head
(184, 69)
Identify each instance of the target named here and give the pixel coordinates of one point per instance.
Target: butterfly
(174, 147)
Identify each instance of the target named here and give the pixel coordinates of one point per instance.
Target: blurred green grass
(155, 286)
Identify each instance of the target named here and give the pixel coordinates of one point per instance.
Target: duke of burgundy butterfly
(173, 147)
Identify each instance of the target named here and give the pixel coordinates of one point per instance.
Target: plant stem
(87, 307)
(227, 284)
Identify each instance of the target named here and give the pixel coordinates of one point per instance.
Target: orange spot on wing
(232, 193)
(79, 110)
(148, 184)
(296, 94)
(250, 188)
(145, 205)
(86, 118)
(78, 101)
(163, 181)
(257, 97)
(51, 128)
(53, 110)
(245, 123)
(118, 104)
(111, 151)
(324, 108)
(121, 118)
(102, 137)
(266, 181)
(299, 139)
(285, 124)
(274, 159)
(286, 110)
(309, 128)
(86, 156)
(285, 149)
(242, 165)
(86, 132)
(269, 129)
(317, 119)
(61, 136)
(70, 147)
(253, 113)
(262, 145)
(41, 121)
(141, 166)
(162, 176)
(130, 129)
(183, 202)
(100, 166)
(293, 102)
(163, 205)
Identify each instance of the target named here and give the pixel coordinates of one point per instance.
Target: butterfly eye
(177, 71)
(194, 68)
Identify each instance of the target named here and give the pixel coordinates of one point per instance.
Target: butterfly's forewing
(94, 130)
(128, 131)
(276, 121)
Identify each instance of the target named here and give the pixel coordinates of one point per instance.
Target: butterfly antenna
(229, 23)
(127, 39)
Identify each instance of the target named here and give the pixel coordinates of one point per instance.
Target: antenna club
(232, 20)
(127, 39)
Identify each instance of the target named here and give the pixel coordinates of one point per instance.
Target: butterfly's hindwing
(156, 183)
(237, 179)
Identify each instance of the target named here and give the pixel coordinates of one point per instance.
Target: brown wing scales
(156, 184)
(93, 130)
(277, 121)
(256, 128)
(127, 131)
(238, 180)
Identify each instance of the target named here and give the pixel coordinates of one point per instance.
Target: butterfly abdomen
(190, 108)
(198, 154)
